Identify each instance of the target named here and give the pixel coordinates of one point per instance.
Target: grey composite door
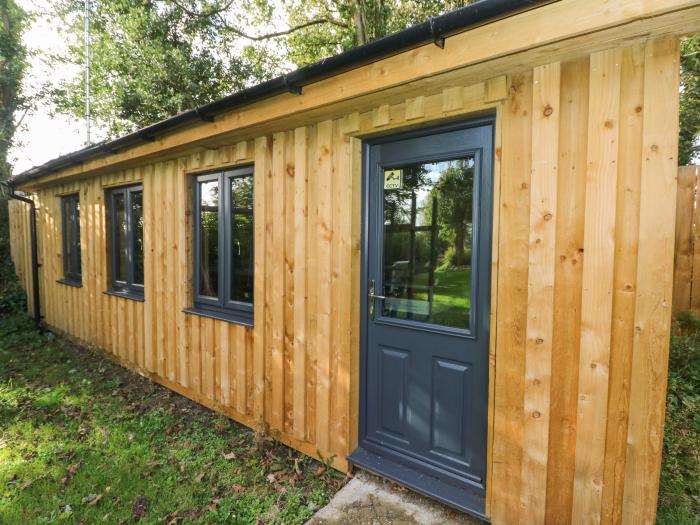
(426, 285)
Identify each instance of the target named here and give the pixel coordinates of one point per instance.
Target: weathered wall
(583, 258)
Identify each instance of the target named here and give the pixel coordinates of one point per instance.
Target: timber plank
(324, 238)
(300, 275)
(288, 175)
(571, 192)
(683, 260)
(263, 163)
(654, 281)
(276, 284)
(596, 300)
(513, 241)
(624, 278)
(313, 175)
(541, 272)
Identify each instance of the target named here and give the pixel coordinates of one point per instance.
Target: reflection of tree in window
(242, 238)
(427, 243)
(137, 239)
(209, 238)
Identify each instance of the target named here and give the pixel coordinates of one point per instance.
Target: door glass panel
(427, 242)
(209, 238)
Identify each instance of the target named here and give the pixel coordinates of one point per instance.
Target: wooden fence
(686, 276)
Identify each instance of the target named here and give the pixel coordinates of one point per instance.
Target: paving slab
(369, 500)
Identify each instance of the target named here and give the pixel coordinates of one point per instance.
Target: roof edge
(435, 30)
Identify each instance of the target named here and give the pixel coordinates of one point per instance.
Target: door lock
(372, 297)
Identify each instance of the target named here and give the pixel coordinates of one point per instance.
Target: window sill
(220, 316)
(125, 295)
(67, 282)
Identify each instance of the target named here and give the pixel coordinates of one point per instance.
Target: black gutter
(433, 30)
(35, 261)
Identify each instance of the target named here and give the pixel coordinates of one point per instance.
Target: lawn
(83, 440)
(451, 299)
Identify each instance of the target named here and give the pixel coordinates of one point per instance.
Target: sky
(44, 136)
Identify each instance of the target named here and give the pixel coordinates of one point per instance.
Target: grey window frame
(72, 265)
(123, 287)
(221, 307)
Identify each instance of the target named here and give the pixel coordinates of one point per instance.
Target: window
(70, 212)
(223, 254)
(126, 240)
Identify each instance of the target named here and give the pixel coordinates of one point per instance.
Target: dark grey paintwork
(424, 389)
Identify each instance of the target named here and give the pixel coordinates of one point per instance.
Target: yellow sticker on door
(393, 179)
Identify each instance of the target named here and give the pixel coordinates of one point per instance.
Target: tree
(150, 59)
(690, 101)
(13, 63)
(154, 58)
(353, 23)
(454, 192)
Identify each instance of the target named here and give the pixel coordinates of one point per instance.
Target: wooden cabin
(445, 257)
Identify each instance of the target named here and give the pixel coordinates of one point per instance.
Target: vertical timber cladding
(585, 267)
(20, 247)
(584, 215)
(291, 373)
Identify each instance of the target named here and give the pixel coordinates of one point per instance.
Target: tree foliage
(690, 101)
(13, 63)
(154, 58)
(150, 59)
(354, 22)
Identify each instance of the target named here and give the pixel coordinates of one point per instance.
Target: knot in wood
(548, 110)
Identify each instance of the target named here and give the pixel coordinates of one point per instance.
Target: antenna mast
(87, 71)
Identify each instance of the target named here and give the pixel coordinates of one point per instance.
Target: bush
(679, 496)
(13, 299)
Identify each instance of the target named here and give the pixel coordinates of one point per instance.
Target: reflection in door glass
(428, 230)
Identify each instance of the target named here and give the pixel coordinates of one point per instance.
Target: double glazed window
(126, 239)
(70, 214)
(223, 254)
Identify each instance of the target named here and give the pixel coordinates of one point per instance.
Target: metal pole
(87, 71)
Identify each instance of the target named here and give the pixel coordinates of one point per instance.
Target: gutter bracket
(438, 39)
(291, 88)
(204, 116)
(107, 149)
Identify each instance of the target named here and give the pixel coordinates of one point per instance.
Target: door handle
(372, 297)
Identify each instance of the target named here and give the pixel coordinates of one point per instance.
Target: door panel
(427, 278)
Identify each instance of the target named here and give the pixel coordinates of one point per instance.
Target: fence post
(685, 257)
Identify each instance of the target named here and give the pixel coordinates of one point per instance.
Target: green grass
(679, 494)
(451, 296)
(83, 440)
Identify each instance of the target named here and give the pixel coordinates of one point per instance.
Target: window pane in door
(242, 232)
(137, 235)
(119, 237)
(427, 252)
(209, 238)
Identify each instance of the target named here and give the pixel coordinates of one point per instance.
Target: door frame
(488, 119)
